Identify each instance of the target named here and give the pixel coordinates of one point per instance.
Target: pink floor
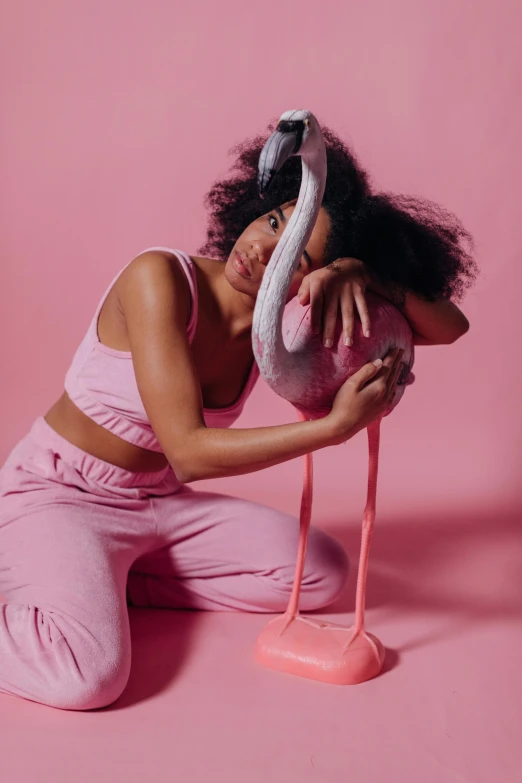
(446, 709)
(116, 124)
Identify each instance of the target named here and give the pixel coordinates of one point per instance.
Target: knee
(87, 676)
(59, 662)
(325, 574)
(93, 690)
(326, 571)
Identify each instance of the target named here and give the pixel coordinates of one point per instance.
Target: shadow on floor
(162, 641)
(459, 564)
(446, 563)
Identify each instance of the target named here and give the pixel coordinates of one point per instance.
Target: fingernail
(378, 362)
(347, 340)
(328, 343)
(367, 333)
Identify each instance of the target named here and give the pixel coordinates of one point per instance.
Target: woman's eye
(272, 218)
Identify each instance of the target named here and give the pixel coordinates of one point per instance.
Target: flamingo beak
(284, 142)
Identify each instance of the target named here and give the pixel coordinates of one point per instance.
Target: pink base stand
(317, 650)
(313, 648)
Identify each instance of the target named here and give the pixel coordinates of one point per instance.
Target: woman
(95, 507)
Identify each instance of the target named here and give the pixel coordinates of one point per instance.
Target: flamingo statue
(296, 365)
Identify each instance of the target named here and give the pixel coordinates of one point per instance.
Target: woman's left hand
(341, 283)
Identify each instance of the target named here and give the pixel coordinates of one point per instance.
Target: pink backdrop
(116, 119)
(114, 126)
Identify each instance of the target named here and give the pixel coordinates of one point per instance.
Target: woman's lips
(239, 266)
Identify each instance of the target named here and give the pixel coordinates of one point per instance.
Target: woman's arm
(344, 282)
(156, 305)
(433, 323)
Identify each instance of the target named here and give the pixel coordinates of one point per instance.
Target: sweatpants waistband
(98, 470)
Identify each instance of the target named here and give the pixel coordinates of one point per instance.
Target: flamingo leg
(304, 526)
(367, 527)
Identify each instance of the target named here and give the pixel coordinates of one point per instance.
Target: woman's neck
(234, 309)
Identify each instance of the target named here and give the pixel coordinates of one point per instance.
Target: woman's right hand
(365, 396)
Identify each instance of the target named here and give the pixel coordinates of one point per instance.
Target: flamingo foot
(318, 650)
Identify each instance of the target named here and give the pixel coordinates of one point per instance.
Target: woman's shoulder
(162, 258)
(156, 276)
(159, 265)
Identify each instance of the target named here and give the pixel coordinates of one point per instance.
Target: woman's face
(257, 243)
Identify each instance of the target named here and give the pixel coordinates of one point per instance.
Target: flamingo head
(297, 133)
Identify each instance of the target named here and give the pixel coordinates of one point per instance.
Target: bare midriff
(80, 430)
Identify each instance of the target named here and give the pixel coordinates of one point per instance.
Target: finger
(387, 363)
(390, 393)
(390, 357)
(330, 318)
(304, 291)
(367, 373)
(346, 300)
(362, 309)
(392, 377)
(388, 366)
(398, 375)
(400, 365)
(394, 373)
(316, 308)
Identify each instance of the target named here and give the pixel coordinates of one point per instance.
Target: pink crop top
(101, 380)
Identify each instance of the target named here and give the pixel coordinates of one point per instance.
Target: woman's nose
(262, 251)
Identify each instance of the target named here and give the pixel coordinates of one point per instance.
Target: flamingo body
(298, 367)
(316, 373)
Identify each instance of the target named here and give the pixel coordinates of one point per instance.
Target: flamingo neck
(272, 356)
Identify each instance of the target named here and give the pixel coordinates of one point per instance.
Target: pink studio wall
(116, 119)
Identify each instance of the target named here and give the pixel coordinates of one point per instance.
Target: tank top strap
(92, 332)
(188, 267)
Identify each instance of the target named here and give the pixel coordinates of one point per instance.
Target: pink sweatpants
(79, 538)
